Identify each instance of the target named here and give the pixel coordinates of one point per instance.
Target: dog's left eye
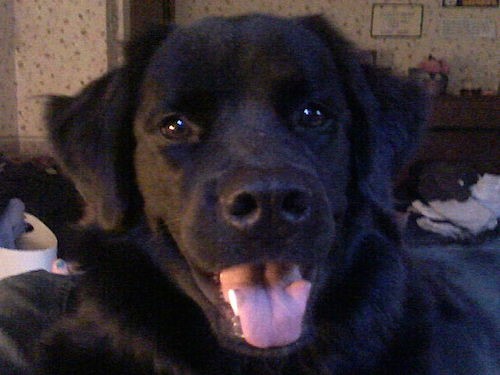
(313, 116)
(175, 127)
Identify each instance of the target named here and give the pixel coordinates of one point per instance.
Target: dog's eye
(175, 127)
(313, 116)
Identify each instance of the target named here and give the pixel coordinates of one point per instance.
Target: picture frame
(470, 3)
(397, 20)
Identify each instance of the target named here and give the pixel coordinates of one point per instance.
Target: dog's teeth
(233, 301)
(235, 320)
(292, 274)
(295, 272)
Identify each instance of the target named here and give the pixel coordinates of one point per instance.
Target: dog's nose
(255, 204)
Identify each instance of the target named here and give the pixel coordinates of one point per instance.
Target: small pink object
(432, 65)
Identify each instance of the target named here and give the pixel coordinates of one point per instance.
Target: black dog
(241, 169)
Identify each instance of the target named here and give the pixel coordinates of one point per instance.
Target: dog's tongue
(270, 301)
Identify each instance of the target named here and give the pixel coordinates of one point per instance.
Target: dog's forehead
(224, 54)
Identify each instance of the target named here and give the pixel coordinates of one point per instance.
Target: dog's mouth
(263, 304)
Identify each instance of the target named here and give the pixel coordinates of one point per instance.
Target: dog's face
(242, 157)
(241, 141)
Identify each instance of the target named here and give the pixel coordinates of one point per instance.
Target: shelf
(457, 112)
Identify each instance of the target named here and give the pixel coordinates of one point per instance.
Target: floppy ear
(388, 115)
(93, 137)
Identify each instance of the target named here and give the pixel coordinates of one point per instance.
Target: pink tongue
(270, 302)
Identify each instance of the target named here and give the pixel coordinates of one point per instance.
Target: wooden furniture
(460, 129)
(463, 128)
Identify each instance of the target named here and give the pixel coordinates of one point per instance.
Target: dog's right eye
(313, 116)
(175, 127)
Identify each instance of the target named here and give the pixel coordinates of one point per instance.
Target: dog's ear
(388, 114)
(93, 137)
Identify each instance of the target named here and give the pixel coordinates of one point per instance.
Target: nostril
(295, 205)
(285, 206)
(244, 204)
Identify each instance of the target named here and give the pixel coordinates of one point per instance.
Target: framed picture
(470, 3)
(397, 20)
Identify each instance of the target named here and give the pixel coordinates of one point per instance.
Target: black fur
(242, 84)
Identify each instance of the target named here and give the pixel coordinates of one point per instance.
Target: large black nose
(267, 202)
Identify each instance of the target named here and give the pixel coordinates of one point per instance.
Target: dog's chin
(235, 325)
(240, 346)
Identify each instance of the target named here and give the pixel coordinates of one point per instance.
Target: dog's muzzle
(260, 235)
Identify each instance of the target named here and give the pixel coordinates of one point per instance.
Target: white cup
(35, 250)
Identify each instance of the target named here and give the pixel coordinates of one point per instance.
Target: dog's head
(247, 144)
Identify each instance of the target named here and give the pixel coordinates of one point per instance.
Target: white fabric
(457, 219)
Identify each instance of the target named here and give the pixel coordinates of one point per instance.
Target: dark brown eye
(175, 127)
(313, 116)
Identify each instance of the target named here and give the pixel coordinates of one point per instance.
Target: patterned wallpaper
(477, 58)
(56, 47)
(8, 103)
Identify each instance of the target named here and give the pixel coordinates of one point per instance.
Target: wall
(50, 47)
(477, 57)
(8, 102)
